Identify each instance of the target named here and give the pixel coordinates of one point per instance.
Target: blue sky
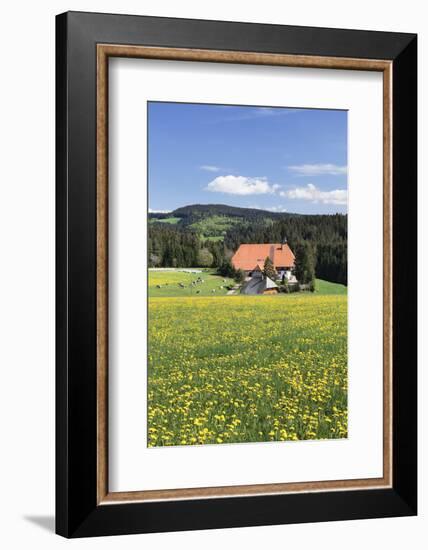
(279, 159)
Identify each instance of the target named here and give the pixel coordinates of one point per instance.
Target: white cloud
(269, 208)
(312, 193)
(318, 169)
(241, 185)
(151, 211)
(278, 208)
(210, 168)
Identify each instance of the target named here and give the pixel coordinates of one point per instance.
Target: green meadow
(169, 283)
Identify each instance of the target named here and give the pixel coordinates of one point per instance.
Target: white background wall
(27, 271)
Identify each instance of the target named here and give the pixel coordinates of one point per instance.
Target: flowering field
(228, 369)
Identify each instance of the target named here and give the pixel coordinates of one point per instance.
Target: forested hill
(199, 235)
(204, 210)
(199, 211)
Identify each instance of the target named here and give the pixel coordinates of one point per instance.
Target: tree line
(323, 237)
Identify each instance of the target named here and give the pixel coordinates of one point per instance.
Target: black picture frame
(77, 511)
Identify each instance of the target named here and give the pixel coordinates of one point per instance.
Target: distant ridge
(203, 210)
(200, 211)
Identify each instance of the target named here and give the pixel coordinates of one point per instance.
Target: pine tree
(304, 264)
(269, 269)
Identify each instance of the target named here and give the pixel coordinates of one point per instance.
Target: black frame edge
(231, 35)
(76, 278)
(405, 280)
(190, 515)
(77, 514)
(61, 446)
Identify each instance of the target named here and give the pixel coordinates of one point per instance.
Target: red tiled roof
(248, 256)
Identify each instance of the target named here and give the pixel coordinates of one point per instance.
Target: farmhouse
(251, 258)
(259, 284)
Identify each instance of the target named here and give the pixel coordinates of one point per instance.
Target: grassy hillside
(172, 220)
(212, 221)
(214, 227)
(325, 287)
(169, 282)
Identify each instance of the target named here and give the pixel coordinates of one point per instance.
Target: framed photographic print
(236, 274)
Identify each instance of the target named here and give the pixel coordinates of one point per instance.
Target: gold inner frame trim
(104, 51)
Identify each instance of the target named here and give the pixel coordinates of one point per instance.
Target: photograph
(247, 274)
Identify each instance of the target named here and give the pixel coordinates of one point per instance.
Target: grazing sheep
(221, 287)
(213, 290)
